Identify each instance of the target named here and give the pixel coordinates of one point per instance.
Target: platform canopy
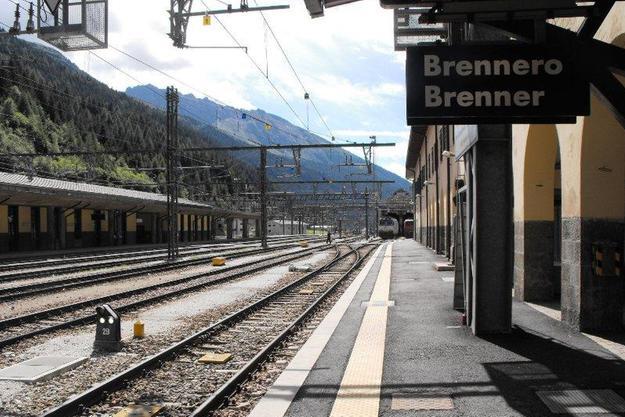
(16, 189)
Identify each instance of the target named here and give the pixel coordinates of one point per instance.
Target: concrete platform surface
(40, 368)
(432, 366)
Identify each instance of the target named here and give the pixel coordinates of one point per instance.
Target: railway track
(93, 253)
(16, 329)
(22, 291)
(66, 265)
(176, 380)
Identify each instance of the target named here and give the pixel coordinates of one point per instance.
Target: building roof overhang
(16, 189)
(417, 137)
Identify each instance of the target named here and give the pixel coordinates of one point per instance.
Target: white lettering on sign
(433, 67)
(435, 97)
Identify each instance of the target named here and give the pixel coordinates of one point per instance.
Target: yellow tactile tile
(359, 393)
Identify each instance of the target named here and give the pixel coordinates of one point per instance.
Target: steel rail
(96, 393)
(40, 315)
(43, 261)
(15, 293)
(223, 394)
(84, 266)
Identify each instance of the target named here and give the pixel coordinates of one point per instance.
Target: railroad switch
(215, 358)
(219, 261)
(140, 411)
(138, 329)
(108, 336)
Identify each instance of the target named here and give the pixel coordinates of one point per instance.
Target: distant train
(388, 228)
(408, 228)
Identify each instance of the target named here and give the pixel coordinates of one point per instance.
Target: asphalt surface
(427, 353)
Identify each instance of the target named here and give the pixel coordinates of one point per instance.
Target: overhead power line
(222, 105)
(258, 67)
(297, 77)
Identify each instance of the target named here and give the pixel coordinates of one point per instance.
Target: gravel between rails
(243, 402)
(81, 275)
(182, 383)
(124, 257)
(31, 400)
(45, 301)
(52, 278)
(168, 291)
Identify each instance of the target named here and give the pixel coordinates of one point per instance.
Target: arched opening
(586, 197)
(537, 225)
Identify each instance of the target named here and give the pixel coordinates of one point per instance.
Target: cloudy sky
(345, 60)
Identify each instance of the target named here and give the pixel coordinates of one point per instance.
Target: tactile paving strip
(359, 394)
(575, 402)
(378, 303)
(416, 402)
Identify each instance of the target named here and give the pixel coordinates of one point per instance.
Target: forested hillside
(48, 105)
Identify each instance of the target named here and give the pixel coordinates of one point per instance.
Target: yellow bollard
(139, 329)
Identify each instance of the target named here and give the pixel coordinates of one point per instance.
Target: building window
(444, 140)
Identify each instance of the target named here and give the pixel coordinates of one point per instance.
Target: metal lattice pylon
(173, 164)
(179, 21)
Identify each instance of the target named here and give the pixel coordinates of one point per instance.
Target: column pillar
(229, 231)
(154, 228)
(213, 228)
(50, 241)
(246, 228)
(489, 261)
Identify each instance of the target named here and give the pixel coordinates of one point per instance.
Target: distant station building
(532, 209)
(46, 214)
(436, 177)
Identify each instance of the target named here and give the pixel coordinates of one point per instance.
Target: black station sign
(493, 84)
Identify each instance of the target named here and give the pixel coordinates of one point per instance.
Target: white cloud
(345, 60)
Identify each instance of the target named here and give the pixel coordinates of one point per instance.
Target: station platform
(393, 346)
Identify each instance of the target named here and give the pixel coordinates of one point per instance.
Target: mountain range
(233, 127)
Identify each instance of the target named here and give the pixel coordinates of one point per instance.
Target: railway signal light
(108, 329)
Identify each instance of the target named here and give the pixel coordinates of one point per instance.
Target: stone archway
(535, 153)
